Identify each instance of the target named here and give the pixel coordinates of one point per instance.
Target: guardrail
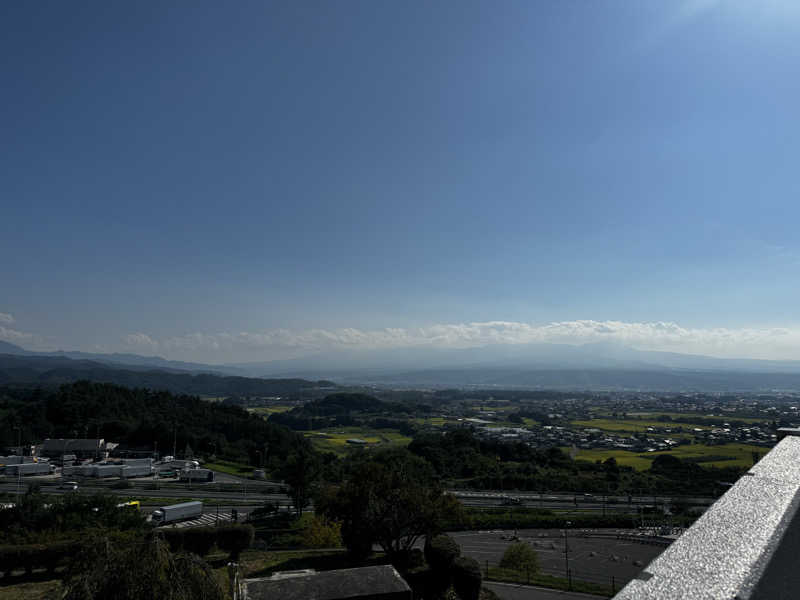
(745, 547)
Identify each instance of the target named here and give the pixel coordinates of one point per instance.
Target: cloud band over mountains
(283, 343)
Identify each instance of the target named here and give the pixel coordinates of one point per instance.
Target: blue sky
(245, 181)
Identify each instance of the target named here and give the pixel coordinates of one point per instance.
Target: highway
(230, 488)
(553, 500)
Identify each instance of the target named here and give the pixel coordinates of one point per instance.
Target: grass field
(335, 440)
(739, 455)
(634, 425)
(232, 468)
(436, 421)
(268, 410)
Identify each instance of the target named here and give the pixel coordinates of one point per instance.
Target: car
(69, 485)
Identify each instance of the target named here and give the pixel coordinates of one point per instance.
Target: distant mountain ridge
(512, 356)
(557, 366)
(124, 359)
(47, 371)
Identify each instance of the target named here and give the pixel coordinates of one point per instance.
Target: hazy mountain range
(591, 366)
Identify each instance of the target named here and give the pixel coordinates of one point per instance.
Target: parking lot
(597, 555)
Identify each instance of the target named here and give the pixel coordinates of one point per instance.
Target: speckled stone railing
(745, 547)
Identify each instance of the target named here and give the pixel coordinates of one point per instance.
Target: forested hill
(343, 409)
(25, 371)
(139, 418)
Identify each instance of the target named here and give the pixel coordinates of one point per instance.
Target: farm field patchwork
(635, 425)
(723, 455)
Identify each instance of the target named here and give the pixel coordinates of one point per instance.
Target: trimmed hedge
(232, 538)
(199, 540)
(35, 556)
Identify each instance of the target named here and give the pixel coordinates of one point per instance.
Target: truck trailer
(177, 512)
(39, 468)
(15, 459)
(136, 470)
(131, 462)
(106, 471)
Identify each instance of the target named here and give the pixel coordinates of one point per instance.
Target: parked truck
(197, 475)
(177, 512)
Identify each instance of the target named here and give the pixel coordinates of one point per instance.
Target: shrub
(520, 557)
(440, 552)
(467, 578)
(322, 533)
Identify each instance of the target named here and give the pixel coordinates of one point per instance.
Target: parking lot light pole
(566, 555)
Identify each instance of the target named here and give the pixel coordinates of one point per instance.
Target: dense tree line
(493, 464)
(140, 418)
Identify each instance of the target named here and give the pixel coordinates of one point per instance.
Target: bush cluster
(232, 538)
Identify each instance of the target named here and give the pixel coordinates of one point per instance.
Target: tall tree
(301, 472)
(391, 500)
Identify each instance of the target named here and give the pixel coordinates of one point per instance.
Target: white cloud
(141, 340)
(6, 318)
(12, 335)
(658, 335)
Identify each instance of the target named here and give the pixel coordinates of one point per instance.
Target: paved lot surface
(523, 592)
(596, 557)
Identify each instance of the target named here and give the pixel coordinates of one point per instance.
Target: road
(591, 502)
(513, 591)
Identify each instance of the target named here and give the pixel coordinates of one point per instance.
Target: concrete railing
(745, 547)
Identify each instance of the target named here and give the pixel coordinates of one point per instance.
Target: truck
(177, 512)
(197, 475)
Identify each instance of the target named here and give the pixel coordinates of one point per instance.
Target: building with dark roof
(380, 582)
(81, 448)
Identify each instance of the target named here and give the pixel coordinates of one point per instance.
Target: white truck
(177, 512)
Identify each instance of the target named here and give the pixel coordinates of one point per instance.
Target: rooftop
(381, 582)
